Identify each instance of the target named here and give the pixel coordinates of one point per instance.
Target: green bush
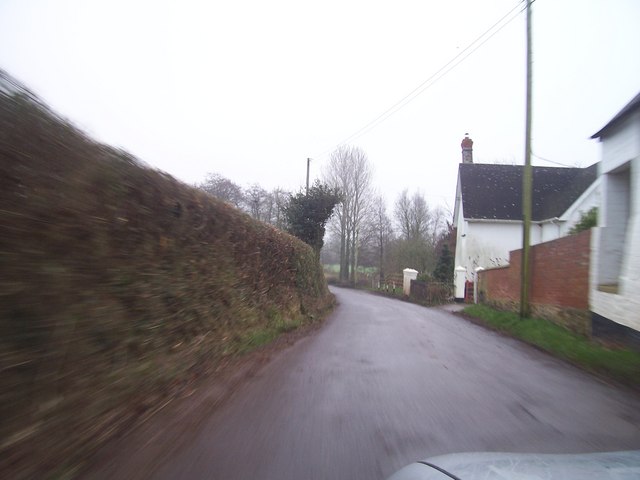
(587, 220)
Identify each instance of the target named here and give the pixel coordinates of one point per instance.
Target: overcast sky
(250, 89)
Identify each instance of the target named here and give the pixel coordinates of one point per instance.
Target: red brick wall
(560, 274)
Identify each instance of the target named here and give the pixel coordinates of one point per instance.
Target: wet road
(385, 383)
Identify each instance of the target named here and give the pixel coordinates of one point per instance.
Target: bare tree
(255, 198)
(402, 212)
(440, 226)
(412, 215)
(279, 199)
(420, 228)
(223, 188)
(267, 206)
(421, 217)
(350, 172)
(381, 232)
(337, 175)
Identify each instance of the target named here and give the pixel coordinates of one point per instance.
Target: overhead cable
(441, 72)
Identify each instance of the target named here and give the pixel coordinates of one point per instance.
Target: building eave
(508, 221)
(628, 109)
(457, 209)
(491, 220)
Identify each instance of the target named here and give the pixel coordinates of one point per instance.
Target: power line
(551, 161)
(441, 72)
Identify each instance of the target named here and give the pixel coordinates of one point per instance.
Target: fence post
(459, 280)
(476, 280)
(409, 274)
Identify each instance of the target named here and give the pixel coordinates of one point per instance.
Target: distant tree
(263, 205)
(350, 172)
(307, 214)
(415, 253)
(276, 202)
(381, 232)
(412, 215)
(330, 254)
(223, 188)
(256, 202)
(419, 229)
(587, 220)
(444, 266)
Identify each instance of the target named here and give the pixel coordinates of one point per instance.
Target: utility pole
(308, 167)
(527, 187)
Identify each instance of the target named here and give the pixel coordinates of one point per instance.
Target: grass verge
(618, 364)
(260, 336)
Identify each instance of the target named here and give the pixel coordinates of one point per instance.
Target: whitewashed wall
(487, 244)
(616, 242)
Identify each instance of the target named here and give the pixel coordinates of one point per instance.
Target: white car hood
(515, 466)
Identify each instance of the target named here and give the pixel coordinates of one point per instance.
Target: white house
(488, 210)
(615, 256)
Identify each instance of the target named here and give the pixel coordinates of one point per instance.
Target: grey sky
(249, 89)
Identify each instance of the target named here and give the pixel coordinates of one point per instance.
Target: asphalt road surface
(385, 383)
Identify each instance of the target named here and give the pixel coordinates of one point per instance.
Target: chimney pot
(467, 149)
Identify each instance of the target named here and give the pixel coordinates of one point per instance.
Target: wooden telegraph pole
(527, 181)
(308, 167)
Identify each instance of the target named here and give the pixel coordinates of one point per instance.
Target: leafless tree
(267, 206)
(255, 198)
(223, 188)
(349, 171)
(420, 228)
(402, 213)
(278, 201)
(413, 215)
(440, 226)
(381, 232)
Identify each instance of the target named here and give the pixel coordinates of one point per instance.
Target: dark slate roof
(495, 191)
(631, 107)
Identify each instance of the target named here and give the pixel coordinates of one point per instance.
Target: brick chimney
(467, 149)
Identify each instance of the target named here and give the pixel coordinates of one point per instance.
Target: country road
(385, 383)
